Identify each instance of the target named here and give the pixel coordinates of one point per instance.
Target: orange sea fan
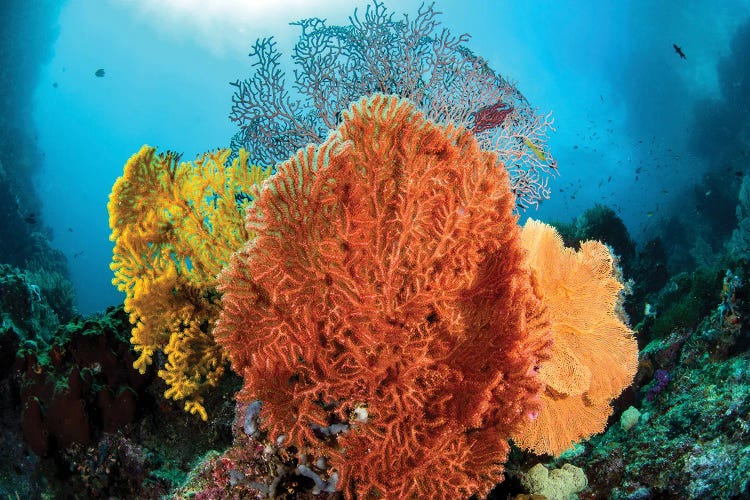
(594, 355)
(387, 274)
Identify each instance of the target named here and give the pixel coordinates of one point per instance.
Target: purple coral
(661, 379)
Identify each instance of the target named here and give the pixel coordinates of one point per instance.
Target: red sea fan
(386, 292)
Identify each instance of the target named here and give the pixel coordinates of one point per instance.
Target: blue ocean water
(649, 104)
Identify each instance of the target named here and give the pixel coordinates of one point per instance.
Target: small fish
(77, 254)
(649, 214)
(679, 51)
(30, 219)
(54, 84)
(99, 72)
(70, 229)
(535, 149)
(708, 193)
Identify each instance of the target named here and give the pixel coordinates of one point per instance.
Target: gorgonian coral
(412, 58)
(594, 355)
(385, 292)
(175, 225)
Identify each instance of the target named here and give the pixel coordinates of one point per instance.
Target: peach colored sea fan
(386, 291)
(594, 355)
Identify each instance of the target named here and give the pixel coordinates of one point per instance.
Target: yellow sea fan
(594, 355)
(175, 225)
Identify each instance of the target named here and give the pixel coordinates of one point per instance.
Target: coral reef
(34, 303)
(385, 295)
(255, 467)
(683, 302)
(79, 420)
(114, 466)
(692, 437)
(76, 387)
(174, 225)
(412, 58)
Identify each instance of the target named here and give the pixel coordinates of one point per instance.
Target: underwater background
(639, 114)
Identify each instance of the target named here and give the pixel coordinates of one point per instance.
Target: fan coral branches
(594, 356)
(385, 293)
(175, 225)
(413, 58)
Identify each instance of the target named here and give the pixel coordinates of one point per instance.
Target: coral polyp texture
(594, 355)
(175, 225)
(383, 312)
(414, 58)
